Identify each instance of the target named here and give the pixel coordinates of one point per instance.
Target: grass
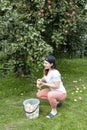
(71, 116)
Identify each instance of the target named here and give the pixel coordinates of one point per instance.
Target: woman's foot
(50, 115)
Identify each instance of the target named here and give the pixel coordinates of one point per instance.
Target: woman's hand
(42, 83)
(39, 83)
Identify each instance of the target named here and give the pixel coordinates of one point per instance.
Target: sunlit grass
(71, 116)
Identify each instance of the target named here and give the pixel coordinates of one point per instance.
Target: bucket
(31, 108)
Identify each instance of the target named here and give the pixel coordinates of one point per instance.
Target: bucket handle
(32, 111)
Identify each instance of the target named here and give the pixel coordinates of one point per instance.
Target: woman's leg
(43, 94)
(54, 97)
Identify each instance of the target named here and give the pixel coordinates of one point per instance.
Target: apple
(42, 10)
(49, 2)
(49, 7)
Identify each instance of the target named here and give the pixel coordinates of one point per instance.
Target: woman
(55, 91)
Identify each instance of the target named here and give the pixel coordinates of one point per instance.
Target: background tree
(21, 41)
(32, 29)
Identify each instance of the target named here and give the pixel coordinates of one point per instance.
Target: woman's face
(47, 65)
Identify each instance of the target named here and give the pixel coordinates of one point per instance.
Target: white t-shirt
(54, 76)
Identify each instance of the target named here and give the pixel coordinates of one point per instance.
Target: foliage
(76, 40)
(20, 39)
(32, 29)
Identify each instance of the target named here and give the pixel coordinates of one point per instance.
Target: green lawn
(71, 116)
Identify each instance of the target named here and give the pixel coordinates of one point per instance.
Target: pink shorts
(52, 96)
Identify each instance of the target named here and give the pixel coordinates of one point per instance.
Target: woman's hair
(51, 60)
(46, 71)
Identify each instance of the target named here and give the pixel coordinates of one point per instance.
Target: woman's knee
(37, 95)
(50, 95)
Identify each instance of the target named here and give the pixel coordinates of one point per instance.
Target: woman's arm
(53, 85)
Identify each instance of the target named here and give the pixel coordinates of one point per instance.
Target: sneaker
(50, 115)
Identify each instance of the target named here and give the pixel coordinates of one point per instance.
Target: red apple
(49, 7)
(73, 12)
(42, 10)
(49, 2)
(39, 13)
